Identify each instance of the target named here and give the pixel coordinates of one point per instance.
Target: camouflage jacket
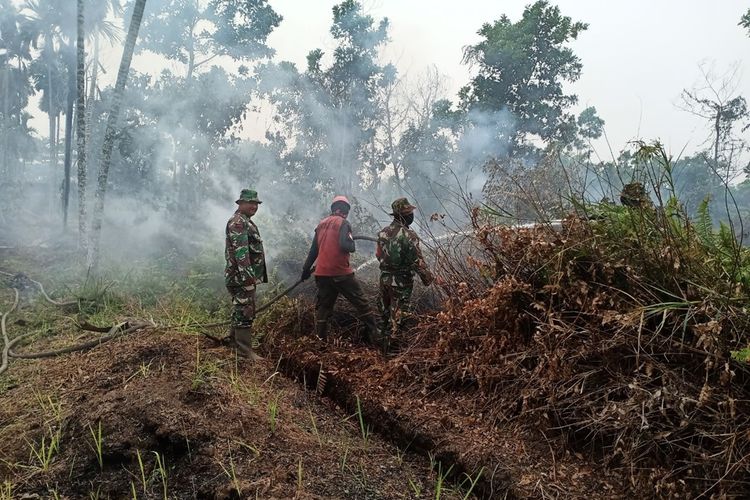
(398, 252)
(246, 261)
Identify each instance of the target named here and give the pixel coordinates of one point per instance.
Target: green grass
(365, 430)
(231, 473)
(43, 453)
(273, 413)
(205, 370)
(96, 443)
(161, 469)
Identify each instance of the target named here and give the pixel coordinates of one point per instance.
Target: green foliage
(194, 32)
(523, 67)
(745, 21)
(332, 112)
(663, 241)
(742, 355)
(16, 36)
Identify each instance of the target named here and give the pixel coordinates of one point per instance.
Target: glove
(306, 273)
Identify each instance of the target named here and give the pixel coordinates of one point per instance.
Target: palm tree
(109, 134)
(15, 53)
(81, 126)
(54, 21)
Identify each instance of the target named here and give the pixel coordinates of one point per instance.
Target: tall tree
(55, 22)
(194, 32)
(109, 134)
(69, 56)
(517, 97)
(81, 128)
(16, 36)
(51, 21)
(715, 99)
(331, 114)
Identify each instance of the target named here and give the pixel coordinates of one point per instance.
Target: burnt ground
(218, 427)
(450, 424)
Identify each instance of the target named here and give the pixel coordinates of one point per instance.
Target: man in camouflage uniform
(245, 268)
(634, 195)
(400, 257)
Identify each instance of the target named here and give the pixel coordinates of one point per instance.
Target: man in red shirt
(331, 246)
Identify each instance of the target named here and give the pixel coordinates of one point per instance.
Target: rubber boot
(321, 330)
(372, 335)
(384, 341)
(243, 341)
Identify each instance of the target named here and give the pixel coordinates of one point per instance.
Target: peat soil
(181, 417)
(169, 415)
(504, 459)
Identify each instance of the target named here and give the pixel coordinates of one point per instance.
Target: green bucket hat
(401, 206)
(248, 195)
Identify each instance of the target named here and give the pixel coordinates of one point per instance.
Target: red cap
(341, 198)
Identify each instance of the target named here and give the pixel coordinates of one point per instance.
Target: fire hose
(265, 306)
(115, 331)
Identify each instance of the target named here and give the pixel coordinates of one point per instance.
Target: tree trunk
(109, 134)
(52, 141)
(191, 57)
(81, 131)
(717, 131)
(68, 133)
(6, 120)
(91, 104)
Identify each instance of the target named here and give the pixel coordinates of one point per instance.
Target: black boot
(321, 330)
(372, 334)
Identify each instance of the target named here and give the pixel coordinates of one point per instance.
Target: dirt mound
(460, 429)
(167, 415)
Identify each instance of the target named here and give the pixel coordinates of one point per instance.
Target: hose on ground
(6, 341)
(114, 332)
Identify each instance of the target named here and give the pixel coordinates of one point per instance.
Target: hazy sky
(637, 55)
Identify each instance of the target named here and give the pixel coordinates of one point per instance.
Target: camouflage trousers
(395, 297)
(243, 299)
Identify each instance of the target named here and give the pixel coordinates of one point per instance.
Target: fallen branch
(85, 325)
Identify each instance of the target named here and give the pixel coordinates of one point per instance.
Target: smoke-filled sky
(638, 55)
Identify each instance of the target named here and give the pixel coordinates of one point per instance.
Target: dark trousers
(329, 288)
